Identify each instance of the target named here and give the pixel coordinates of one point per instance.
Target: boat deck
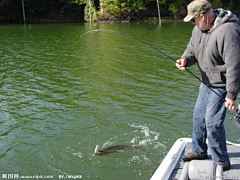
(232, 174)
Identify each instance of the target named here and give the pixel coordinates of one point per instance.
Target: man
(215, 48)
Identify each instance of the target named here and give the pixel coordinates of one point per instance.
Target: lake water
(62, 94)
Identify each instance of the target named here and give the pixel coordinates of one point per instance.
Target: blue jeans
(208, 118)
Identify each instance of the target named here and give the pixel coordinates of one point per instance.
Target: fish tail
(96, 149)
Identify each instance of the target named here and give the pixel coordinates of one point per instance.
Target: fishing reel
(237, 117)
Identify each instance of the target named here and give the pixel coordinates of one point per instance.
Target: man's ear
(202, 16)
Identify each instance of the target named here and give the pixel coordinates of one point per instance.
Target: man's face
(201, 22)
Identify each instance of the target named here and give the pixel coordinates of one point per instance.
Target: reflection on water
(62, 94)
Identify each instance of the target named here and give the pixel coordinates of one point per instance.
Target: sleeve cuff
(231, 96)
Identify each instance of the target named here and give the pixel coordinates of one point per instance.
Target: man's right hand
(181, 63)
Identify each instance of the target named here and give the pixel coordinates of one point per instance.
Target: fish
(114, 148)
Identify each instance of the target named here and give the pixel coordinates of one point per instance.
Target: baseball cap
(197, 7)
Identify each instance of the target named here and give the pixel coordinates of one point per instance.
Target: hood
(222, 17)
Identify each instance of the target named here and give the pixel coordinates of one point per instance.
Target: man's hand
(230, 104)
(181, 63)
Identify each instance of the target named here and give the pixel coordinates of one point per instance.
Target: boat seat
(201, 169)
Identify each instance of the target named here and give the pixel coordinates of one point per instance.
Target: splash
(151, 137)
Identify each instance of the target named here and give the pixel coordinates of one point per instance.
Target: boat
(173, 168)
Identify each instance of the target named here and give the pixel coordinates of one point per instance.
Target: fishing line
(97, 30)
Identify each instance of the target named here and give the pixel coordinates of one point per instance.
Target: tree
(36, 10)
(11, 10)
(122, 9)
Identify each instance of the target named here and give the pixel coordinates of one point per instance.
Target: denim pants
(208, 118)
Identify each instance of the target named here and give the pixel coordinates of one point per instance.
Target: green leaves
(11, 10)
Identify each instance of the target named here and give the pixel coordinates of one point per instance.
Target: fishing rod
(236, 116)
(159, 52)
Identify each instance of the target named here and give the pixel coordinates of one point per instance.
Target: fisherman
(215, 48)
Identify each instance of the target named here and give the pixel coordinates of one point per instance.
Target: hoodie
(217, 53)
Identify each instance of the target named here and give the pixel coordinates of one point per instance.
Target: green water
(62, 94)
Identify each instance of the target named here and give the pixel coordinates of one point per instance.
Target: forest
(32, 11)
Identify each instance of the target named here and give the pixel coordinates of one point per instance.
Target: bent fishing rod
(97, 30)
(236, 116)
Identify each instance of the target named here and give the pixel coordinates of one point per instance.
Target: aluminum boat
(173, 168)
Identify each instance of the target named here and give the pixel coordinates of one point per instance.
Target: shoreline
(99, 21)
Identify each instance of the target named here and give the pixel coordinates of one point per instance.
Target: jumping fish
(114, 148)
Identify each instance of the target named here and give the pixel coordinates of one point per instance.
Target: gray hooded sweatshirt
(217, 53)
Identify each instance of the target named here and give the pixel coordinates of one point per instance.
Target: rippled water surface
(62, 94)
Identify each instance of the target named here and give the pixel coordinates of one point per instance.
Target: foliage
(216, 3)
(176, 6)
(122, 8)
(11, 10)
